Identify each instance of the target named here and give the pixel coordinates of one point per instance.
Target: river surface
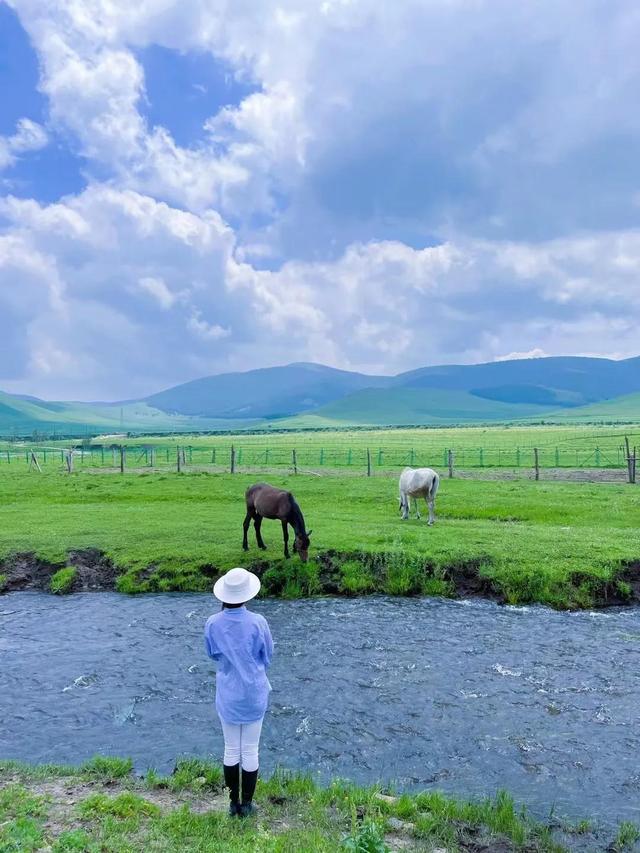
(467, 697)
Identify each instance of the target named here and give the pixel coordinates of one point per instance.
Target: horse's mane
(297, 518)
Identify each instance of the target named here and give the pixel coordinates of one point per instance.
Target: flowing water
(467, 697)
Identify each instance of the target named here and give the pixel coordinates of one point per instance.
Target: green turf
(530, 538)
(390, 449)
(119, 813)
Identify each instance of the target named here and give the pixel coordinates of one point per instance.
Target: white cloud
(158, 290)
(29, 136)
(532, 353)
(401, 170)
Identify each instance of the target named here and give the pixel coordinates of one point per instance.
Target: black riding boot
(249, 779)
(232, 781)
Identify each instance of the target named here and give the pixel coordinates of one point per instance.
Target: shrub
(63, 580)
(3, 581)
(366, 839)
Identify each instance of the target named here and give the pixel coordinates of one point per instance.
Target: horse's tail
(433, 491)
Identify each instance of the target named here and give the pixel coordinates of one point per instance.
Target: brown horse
(265, 501)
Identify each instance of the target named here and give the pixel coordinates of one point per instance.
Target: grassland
(566, 545)
(474, 447)
(100, 807)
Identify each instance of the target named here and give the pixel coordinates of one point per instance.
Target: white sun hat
(237, 586)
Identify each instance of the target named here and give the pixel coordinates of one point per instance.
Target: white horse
(418, 483)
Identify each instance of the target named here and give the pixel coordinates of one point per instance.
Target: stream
(464, 696)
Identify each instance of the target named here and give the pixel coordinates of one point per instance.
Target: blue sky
(193, 187)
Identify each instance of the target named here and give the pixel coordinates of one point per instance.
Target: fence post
(295, 461)
(153, 457)
(213, 456)
(178, 459)
(348, 457)
(233, 459)
(123, 458)
(70, 461)
(34, 461)
(368, 462)
(631, 461)
(536, 462)
(450, 463)
(597, 457)
(481, 457)
(557, 458)
(322, 456)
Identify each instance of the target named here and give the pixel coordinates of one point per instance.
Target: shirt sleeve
(210, 645)
(266, 652)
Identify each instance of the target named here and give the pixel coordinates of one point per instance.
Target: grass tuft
(62, 581)
(107, 768)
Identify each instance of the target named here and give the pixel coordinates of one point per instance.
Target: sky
(189, 187)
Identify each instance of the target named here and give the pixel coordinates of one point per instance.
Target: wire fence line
(237, 456)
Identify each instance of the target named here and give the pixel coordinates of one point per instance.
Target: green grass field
(474, 447)
(547, 542)
(100, 807)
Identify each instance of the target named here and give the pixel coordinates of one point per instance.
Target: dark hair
(232, 606)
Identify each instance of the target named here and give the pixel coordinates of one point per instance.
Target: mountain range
(557, 389)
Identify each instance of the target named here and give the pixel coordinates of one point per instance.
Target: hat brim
(226, 596)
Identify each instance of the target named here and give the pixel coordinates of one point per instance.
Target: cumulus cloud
(408, 183)
(29, 136)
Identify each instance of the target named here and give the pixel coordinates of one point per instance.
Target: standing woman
(240, 641)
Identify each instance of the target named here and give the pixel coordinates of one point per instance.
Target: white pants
(241, 744)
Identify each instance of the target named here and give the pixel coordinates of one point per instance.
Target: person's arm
(267, 644)
(210, 645)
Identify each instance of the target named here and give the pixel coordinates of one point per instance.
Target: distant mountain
(492, 391)
(270, 392)
(303, 394)
(570, 380)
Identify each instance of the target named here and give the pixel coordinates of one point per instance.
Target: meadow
(562, 544)
(389, 449)
(100, 807)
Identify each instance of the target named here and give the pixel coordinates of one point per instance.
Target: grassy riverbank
(567, 545)
(101, 807)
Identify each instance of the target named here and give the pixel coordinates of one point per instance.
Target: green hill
(21, 416)
(269, 392)
(570, 389)
(405, 406)
(620, 409)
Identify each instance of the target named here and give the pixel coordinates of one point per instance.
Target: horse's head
(301, 545)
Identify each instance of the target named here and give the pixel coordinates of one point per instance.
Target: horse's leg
(431, 504)
(257, 523)
(245, 529)
(285, 534)
(415, 505)
(404, 505)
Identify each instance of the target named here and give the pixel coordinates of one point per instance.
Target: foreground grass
(549, 542)
(100, 807)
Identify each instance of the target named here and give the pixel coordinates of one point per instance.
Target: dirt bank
(330, 573)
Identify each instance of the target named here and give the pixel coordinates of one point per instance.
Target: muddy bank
(94, 571)
(331, 572)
